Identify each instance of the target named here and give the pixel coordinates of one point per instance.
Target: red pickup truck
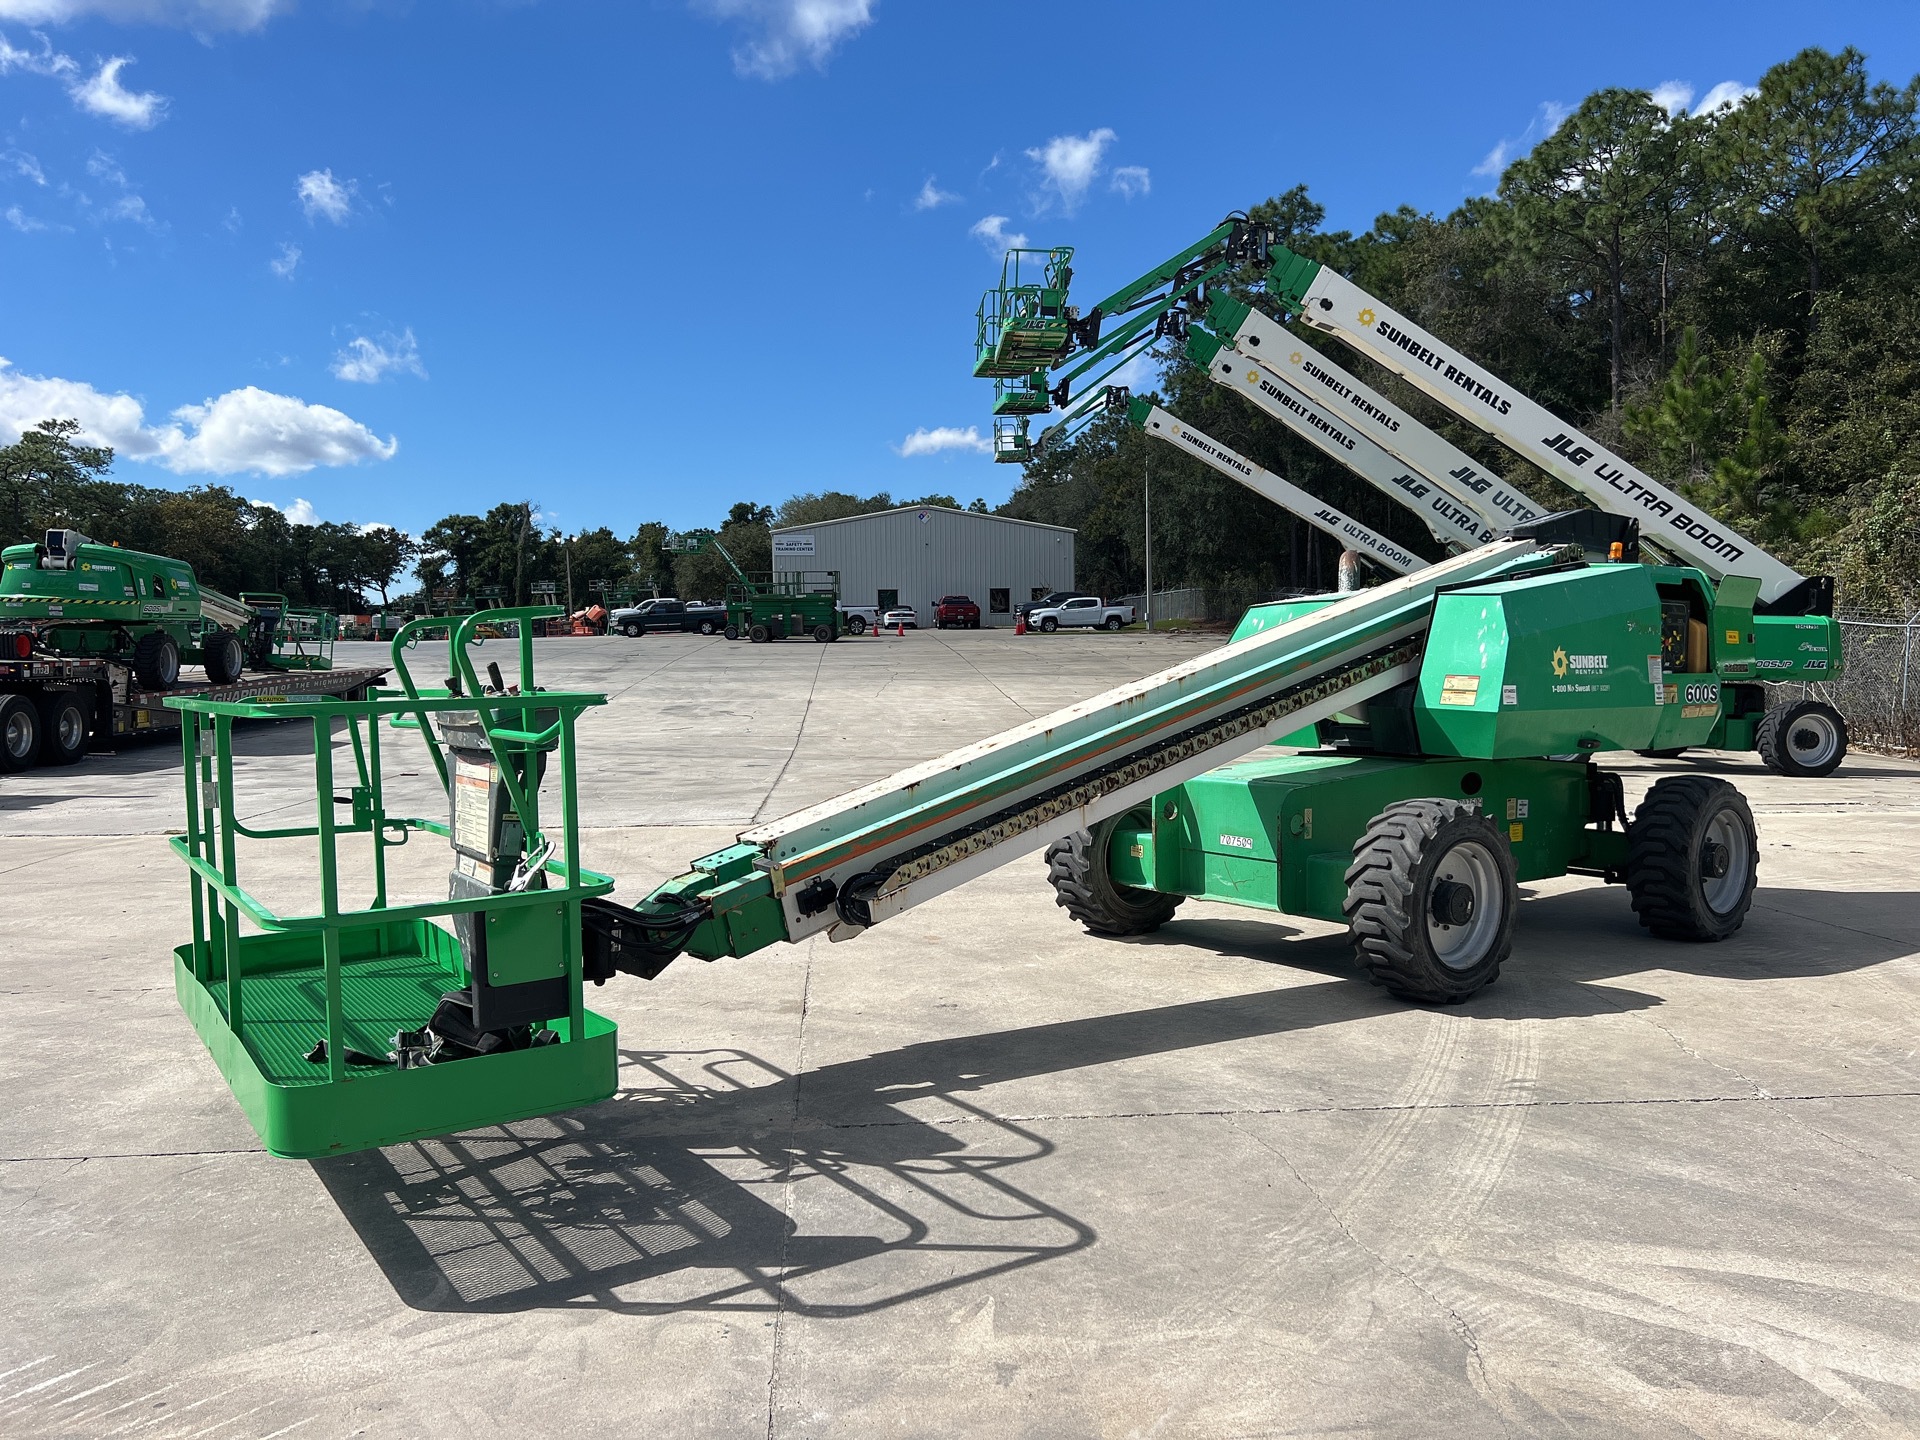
(956, 612)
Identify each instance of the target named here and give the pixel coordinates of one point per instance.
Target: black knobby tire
(156, 660)
(1082, 886)
(1805, 740)
(822, 634)
(1049, 624)
(732, 632)
(759, 634)
(1411, 928)
(66, 719)
(20, 732)
(222, 657)
(1681, 888)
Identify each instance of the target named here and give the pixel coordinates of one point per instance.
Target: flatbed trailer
(83, 703)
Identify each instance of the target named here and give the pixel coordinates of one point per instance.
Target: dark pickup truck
(669, 615)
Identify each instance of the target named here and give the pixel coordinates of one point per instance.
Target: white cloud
(783, 35)
(365, 361)
(202, 16)
(288, 262)
(45, 61)
(1546, 120)
(1069, 163)
(931, 196)
(23, 222)
(1672, 96)
(1132, 180)
(993, 233)
(1728, 94)
(321, 194)
(942, 438)
(124, 206)
(105, 96)
(300, 512)
(25, 166)
(248, 429)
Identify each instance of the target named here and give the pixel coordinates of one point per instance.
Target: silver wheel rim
(1461, 947)
(1813, 739)
(72, 729)
(1723, 893)
(19, 734)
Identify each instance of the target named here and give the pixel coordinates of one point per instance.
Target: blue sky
(376, 262)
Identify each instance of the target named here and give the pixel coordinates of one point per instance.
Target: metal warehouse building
(916, 555)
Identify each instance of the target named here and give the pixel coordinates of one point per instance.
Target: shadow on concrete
(680, 1193)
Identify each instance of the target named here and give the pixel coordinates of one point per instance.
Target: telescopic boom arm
(1328, 301)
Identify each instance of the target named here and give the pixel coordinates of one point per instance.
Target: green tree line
(1730, 299)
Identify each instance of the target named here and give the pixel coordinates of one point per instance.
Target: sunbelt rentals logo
(1578, 664)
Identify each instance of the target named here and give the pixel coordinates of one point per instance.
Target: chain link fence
(1878, 688)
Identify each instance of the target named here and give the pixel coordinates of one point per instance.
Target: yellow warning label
(1460, 689)
(1733, 637)
(1516, 832)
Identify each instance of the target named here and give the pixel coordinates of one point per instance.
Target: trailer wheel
(222, 657)
(1692, 859)
(66, 719)
(1805, 739)
(759, 634)
(857, 625)
(156, 660)
(20, 731)
(1083, 887)
(1430, 902)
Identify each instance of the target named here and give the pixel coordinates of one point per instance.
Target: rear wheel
(1692, 859)
(706, 627)
(1082, 886)
(857, 625)
(759, 634)
(732, 632)
(1805, 739)
(1430, 902)
(1112, 622)
(222, 657)
(66, 719)
(20, 731)
(822, 634)
(156, 660)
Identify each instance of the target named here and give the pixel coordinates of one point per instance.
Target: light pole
(1147, 505)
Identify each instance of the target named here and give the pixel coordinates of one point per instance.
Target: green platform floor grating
(284, 1011)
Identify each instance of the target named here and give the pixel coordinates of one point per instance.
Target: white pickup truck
(1081, 610)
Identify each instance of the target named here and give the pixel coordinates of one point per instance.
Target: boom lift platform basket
(340, 1028)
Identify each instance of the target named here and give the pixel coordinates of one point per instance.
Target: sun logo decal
(1294, 358)
(1367, 317)
(1560, 661)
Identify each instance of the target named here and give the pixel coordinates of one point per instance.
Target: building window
(889, 600)
(999, 602)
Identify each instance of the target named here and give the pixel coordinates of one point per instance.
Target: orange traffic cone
(1020, 625)
(901, 629)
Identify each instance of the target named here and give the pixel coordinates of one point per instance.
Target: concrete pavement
(978, 1173)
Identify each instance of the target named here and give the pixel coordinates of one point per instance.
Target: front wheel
(1049, 624)
(1692, 859)
(759, 634)
(1805, 740)
(156, 660)
(1083, 887)
(822, 634)
(1431, 897)
(732, 632)
(222, 658)
(632, 632)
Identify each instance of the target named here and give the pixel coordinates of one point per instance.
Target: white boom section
(895, 843)
(1335, 304)
(1451, 522)
(1342, 527)
(1497, 503)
